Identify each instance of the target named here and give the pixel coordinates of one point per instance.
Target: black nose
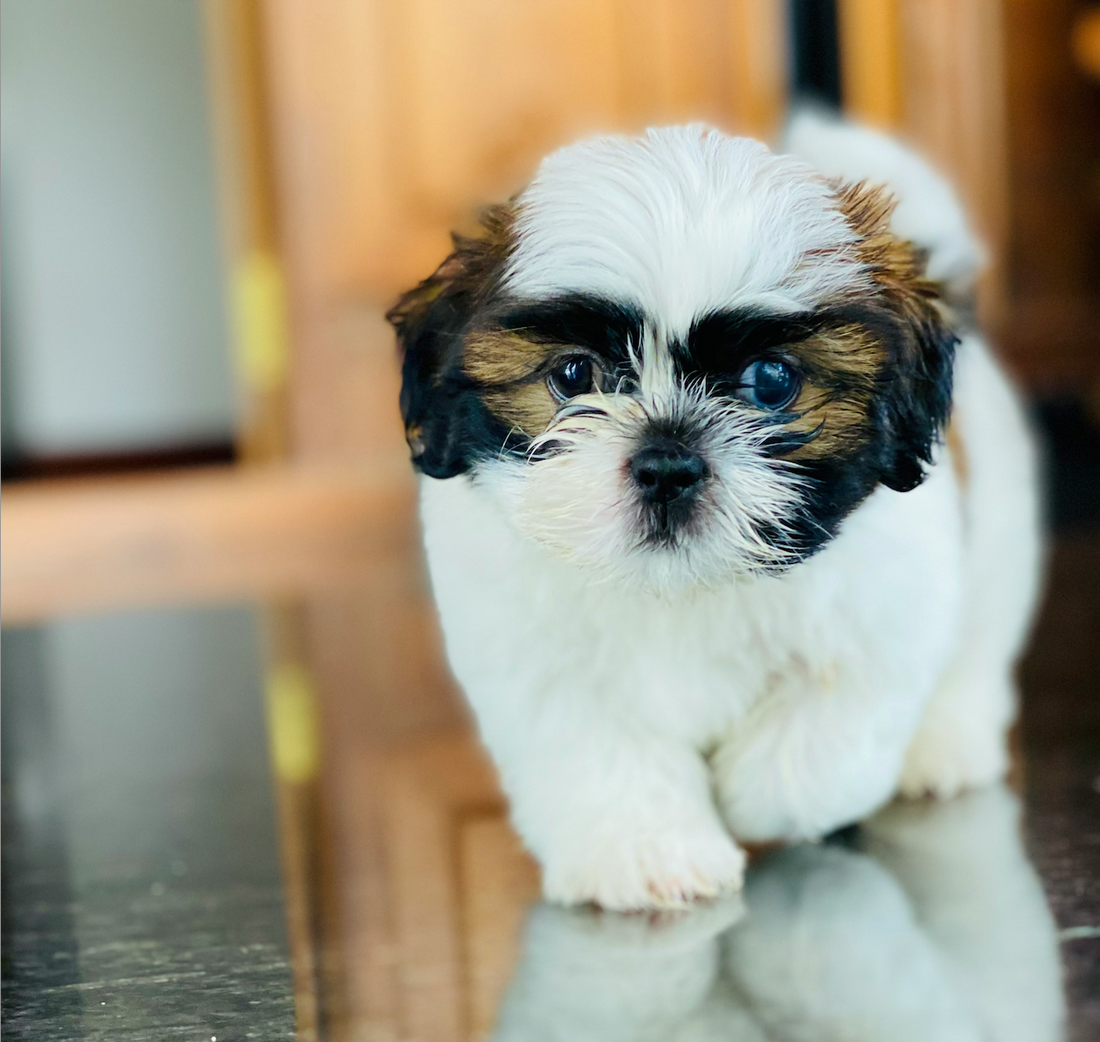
(666, 470)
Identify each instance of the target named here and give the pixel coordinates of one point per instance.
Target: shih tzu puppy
(730, 516)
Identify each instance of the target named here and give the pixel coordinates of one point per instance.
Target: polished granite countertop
(122, 921)
(142, 891)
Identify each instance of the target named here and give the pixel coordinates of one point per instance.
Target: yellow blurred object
(292, 724)
(1086, 41)
(260, 313)
(870, 48)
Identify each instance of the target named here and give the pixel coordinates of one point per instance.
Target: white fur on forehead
(681, 221)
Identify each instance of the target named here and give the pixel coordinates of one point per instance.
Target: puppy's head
(678, 359)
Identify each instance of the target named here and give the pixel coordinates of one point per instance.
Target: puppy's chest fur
(875, 609)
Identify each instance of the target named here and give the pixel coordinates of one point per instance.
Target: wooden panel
(498, 882)
(377, 650)
(932, 70)
(395, 119)
(249, 223)
(486, 87)
(229, 533)
(1055, 154)
(438, 796)
(871, 64)
(461, 885)
(1052, 343)
(758, 65)
(1086, 41)
(1054, 248)
(954, 111)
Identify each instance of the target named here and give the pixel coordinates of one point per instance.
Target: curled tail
(929, 212)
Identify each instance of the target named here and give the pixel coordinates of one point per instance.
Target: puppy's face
(678, 359)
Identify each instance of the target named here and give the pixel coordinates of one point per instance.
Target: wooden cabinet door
(395, 118)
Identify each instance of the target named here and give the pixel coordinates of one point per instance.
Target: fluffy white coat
(640, 733)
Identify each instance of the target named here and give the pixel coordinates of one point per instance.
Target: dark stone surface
(142, 900)
(1061, 735)
(157, 917)
(1063, 833)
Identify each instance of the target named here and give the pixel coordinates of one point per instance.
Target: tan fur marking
(839, 414)
(504, 357)
(528, 407)
(854, 355)
(508, 365)
(469, 273)
(839, 423)
(848, 350)
(895, 264)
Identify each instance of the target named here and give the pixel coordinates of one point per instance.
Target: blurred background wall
(115, 334)
(115, 346)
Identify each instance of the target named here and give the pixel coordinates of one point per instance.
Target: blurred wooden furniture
(1052, 330)
(987, 89)
(356, 135)
(205, 535)
(459, 885)
(391, 124)
(932, 71)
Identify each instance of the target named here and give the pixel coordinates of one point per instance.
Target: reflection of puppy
(974, 893)
(702, 562)
(938, 933)
(590, 976)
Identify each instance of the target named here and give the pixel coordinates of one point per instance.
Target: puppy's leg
(595, 975)
(816, 752)
(961, 742)
(615, 815)
(961, 739)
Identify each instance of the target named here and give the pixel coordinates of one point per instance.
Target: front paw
(946, 764)
(656, 870)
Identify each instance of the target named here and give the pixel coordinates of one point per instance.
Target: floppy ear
(437, 400)
(913, 404)
(916, 405)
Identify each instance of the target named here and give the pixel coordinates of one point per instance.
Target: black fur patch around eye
(603, 326)
(893, 368)
(448, 426)
(719, 344)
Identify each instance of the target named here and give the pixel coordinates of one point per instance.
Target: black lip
(667, 523)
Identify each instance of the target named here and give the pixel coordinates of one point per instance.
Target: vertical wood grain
(933, 71)
(871, 61)
(954, 111)
(498, 883)
(237, 88)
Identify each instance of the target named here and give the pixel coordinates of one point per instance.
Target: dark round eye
(768, 384)
(572, 377)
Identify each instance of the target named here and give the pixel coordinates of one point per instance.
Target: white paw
(653, 871)
(944, 763)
